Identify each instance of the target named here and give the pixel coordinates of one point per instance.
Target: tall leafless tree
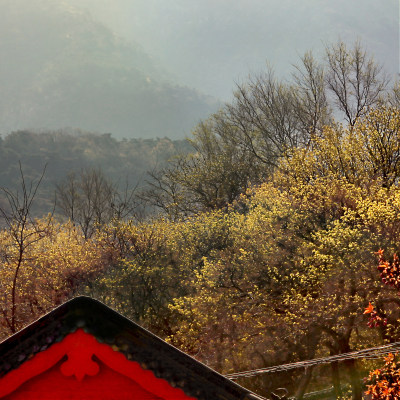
(23, 231)
(89, 199)
(355, 81)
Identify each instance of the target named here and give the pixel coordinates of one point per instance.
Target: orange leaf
(369, 309)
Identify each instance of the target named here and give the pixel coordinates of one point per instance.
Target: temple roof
(136, 343)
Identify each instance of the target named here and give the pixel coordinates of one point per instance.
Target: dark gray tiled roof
(138, 344)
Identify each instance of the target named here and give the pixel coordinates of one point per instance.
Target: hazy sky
(209, 44)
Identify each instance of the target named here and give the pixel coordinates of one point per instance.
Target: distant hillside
(61, 68)
(209, 44)
(123, 161)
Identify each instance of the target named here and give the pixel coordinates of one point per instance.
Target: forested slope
(63, 152)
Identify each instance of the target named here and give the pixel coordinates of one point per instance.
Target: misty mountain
(209, 44)
(62, 68)
(128, 66)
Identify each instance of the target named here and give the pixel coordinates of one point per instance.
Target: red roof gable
(79, 367)
(85, 350)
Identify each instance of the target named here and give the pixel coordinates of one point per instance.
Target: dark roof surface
(138, 344)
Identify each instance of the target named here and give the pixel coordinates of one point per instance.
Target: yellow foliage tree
(54, 265)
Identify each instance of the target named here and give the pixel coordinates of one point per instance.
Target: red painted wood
(79, 367)
(52, 385)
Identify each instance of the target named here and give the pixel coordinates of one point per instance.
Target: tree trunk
(336, 380)
(305, 380)
(354, 380)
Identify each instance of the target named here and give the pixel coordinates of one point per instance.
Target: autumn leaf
(369, 309)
